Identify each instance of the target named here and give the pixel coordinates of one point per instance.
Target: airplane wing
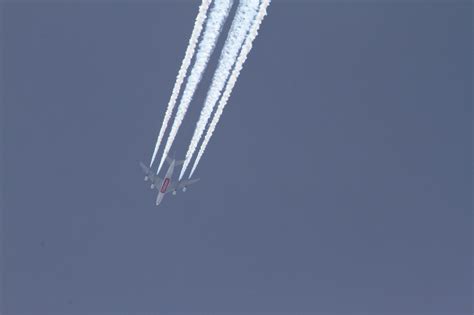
(181, 184)
(157, 181)
(151, 175)
(186, 182)
(146, 169)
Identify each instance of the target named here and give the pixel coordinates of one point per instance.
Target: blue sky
(338, 180)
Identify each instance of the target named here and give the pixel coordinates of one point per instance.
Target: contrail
(232, 79)
(240, 27)
(201, 17)
(214, 24)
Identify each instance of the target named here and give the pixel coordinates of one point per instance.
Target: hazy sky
(338, 181)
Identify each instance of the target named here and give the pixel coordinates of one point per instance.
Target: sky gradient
(338, 180)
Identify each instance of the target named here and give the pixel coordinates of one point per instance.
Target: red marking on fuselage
(166, 182)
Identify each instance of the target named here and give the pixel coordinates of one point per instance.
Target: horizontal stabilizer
(176, 163)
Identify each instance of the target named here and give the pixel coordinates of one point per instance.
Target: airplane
(166, 185)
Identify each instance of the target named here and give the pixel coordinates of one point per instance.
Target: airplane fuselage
(166, 182)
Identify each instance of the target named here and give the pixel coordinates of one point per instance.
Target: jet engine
(146, 178)
(184, 189)
(152, 186)
(174, 192)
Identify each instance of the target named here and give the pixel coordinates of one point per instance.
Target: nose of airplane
(159, 198)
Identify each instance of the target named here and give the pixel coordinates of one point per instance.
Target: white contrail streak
(188, 56)
(232, 79)
(217, 17)
(240, 27)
